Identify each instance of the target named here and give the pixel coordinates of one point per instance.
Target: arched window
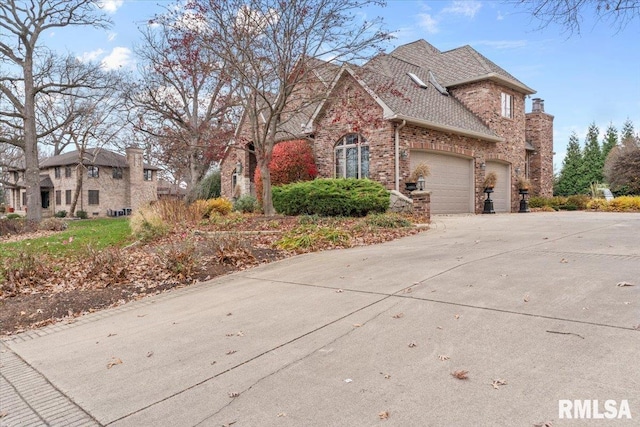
(352, 157)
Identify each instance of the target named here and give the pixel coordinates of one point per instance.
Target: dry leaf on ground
(443, 357)
(282, 414)
(234, 394)
(113, 362)
(413, 344)
(564, 261)
(3, 414)
(231, 352)
(497, 383)
(526, 298)
(398, 316)
(460, 374)
(384, 415)
(623, 284)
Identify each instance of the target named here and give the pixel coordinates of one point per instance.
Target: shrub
(82, 214)
(147, 224)
(580, 201)
(13, 216)
(246, 204)
(619, 204)
(53, 224)
(220, 206)
(180, 259)
(331, 197)
(12, 226)
(22, 271)
(60, 214)
(209, 187)
(292, 161)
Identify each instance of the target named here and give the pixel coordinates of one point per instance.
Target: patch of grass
(313, 237)
(387, 220)
(97, 233)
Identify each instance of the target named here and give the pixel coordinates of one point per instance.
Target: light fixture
(483, 165)
(239, 167)
(517, 171)
(403, 154)
(421, 183)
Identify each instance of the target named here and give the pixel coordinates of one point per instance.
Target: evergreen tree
(568, 181)
(610, 140)
(592, 161)
(628, 134)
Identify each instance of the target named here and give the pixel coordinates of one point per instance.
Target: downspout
(397, 157)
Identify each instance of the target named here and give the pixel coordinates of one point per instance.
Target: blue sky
(594, 76)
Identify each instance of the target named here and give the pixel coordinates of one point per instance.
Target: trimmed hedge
(331, 197)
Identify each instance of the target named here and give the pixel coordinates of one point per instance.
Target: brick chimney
(539, 132)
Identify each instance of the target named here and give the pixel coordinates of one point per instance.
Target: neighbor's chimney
(538, 105)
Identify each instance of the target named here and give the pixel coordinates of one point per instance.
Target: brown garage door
(501, 193)
(450, 182)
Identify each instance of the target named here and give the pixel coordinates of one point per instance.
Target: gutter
(397, 152)
(445, 128)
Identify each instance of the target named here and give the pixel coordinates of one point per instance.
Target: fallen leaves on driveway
(624, 284)
(384, 415)
(564, 261)
(113, 362)
(234, 394)
(443, 357)
(497, 383)
(398, 316)
(412, 344)
(460, 374)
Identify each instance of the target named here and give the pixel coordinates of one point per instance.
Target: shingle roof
(92, 156)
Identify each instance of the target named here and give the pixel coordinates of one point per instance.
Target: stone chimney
(537, 105)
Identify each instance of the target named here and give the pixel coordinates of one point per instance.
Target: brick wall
(539, 132)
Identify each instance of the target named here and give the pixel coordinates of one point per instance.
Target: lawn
(95, 233)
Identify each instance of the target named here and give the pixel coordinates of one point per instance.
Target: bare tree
(21, 25)
(569, 13)
(275, 50)
(184, 98)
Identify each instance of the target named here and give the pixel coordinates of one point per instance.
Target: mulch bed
(115, 276)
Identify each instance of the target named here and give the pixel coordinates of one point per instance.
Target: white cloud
(110, 6)
(465, 8)
(111, 36)
(428, 22)
(90, 56)
(500, 16)
(118, 58)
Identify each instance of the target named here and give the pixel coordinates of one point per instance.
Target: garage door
(501, 193)
(450, 182)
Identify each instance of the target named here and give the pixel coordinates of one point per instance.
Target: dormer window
(507, 105)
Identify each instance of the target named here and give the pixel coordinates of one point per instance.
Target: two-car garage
(451, 182)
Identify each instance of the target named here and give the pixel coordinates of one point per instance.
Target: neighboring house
(455, 110)
(111, 183)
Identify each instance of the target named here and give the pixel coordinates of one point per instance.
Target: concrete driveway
(364, 337)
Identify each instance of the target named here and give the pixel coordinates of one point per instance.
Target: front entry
(44, 195)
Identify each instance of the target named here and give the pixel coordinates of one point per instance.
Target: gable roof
(92, 156)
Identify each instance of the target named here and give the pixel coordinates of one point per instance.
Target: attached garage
(450, 182)
(502, 192)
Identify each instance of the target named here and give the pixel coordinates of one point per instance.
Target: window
(507, 105)
(67, 172)
(67, 197)
(117, 173)
(92, 171)
(24, 198)
(56, 171)
(58, 197)
(148, 175)
(352, 157)
(94, 197)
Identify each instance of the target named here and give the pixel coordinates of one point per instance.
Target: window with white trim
(93, 171)
(352, 157)
(507, 105)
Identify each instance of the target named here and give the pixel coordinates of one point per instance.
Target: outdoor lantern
(239, 167)
(421, 183)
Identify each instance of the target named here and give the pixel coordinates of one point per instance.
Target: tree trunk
(267, 201)
(76, 193)
(32, 167)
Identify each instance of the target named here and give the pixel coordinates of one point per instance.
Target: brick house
(455, 110)
(112, 184)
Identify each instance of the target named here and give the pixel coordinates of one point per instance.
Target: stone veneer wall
(139, 190)
(539, 131)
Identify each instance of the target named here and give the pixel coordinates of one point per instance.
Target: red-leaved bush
(292, 161)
